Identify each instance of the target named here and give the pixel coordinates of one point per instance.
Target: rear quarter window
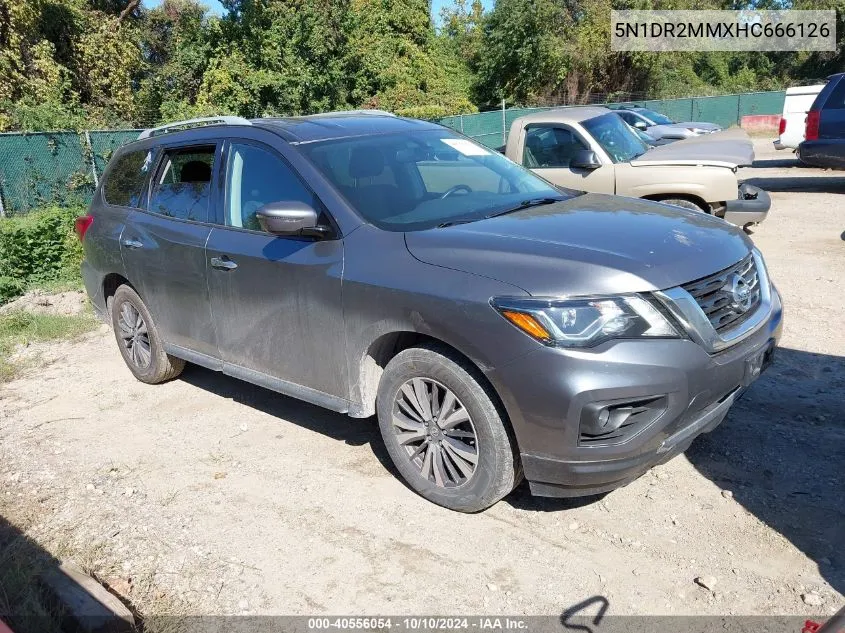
(832, 96)
(124, 185)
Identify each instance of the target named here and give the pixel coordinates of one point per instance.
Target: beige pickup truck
(593, 149)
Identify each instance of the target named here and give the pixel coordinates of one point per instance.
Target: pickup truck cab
(592, 149)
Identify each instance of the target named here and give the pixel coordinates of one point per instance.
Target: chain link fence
(60, 168)
(54, 168)
(491, 128)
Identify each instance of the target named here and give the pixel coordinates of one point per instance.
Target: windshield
(615, 137)
(658, 118)
(419, 180)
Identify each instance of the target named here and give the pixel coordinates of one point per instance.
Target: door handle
(223, 263)
(131, 243)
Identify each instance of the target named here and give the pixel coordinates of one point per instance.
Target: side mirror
(585, 159)
(289, 217)
(640, 125)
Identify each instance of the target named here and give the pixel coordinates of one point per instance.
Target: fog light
(618, 421)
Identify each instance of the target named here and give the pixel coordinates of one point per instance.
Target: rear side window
(832, 96)
(124, 185)
(182, 186)
(836, 101)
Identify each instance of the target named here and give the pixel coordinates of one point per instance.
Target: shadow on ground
(794, 176)
(781, 450)
(337, 426)
(825, 182)
(23, 604)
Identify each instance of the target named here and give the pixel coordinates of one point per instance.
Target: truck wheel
(139, 341)
(684, 204)
(444, 431)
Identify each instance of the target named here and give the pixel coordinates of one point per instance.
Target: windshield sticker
(467, 148)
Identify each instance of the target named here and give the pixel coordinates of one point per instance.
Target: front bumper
(548, 391)
(751, 207)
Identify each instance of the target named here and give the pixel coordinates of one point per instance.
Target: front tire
(444, 430)
(139, 341)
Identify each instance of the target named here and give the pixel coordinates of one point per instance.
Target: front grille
(715, 295)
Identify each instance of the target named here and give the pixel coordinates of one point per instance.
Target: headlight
(585, 322)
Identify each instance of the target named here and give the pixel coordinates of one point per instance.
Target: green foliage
(38, 248)
(73, 64)
(27, 116)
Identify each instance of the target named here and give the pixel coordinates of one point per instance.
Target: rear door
(163, 247)
(276, 300)
(548, 150)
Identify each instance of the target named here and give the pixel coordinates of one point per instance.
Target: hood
(729, 148)
(593, 244)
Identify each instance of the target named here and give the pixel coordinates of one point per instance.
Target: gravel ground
(209, 495)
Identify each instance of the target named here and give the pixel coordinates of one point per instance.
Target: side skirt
(284, 387)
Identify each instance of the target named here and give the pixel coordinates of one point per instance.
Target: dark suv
(497, 325)
(824, 135)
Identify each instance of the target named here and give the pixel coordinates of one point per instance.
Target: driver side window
(629, 118)
(452, 171)
(255, 177)
(550, 147)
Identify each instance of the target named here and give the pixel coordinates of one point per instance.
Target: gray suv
(498, 326)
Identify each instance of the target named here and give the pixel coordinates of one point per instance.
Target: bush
(38, 248)
(432, 112)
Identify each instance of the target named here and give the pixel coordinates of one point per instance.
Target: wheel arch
(111, 282)
(696, 200)
(370, 368)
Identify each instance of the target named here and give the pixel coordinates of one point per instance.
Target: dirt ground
(209, 495)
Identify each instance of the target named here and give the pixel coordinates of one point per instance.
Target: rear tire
(138, 339)
(685, 204)
(453, 446)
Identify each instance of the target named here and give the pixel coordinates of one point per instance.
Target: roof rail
(212, 120)
(353, 112)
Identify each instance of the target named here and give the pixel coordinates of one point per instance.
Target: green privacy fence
(491, 128)
(46, 168)
(39, 169)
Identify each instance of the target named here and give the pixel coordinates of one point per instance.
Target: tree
(396, 61)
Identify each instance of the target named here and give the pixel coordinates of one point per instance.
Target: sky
(217, 8)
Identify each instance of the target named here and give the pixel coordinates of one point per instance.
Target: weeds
(19, 329)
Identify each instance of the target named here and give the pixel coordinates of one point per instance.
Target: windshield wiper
(526, 204)
(443, 225)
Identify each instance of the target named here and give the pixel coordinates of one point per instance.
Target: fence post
(93, 159)
(462, 123)
(739, 110)
(2, 208)
(504, 124)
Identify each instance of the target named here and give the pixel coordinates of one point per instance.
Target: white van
(795, 106)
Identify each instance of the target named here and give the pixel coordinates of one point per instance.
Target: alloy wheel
(134, 335)
(435, 429)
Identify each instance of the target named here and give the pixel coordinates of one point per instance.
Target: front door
(276, 300)
(163, 248)
(549, 150)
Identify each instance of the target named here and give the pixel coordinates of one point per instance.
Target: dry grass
(19, 329)
(22, 604)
